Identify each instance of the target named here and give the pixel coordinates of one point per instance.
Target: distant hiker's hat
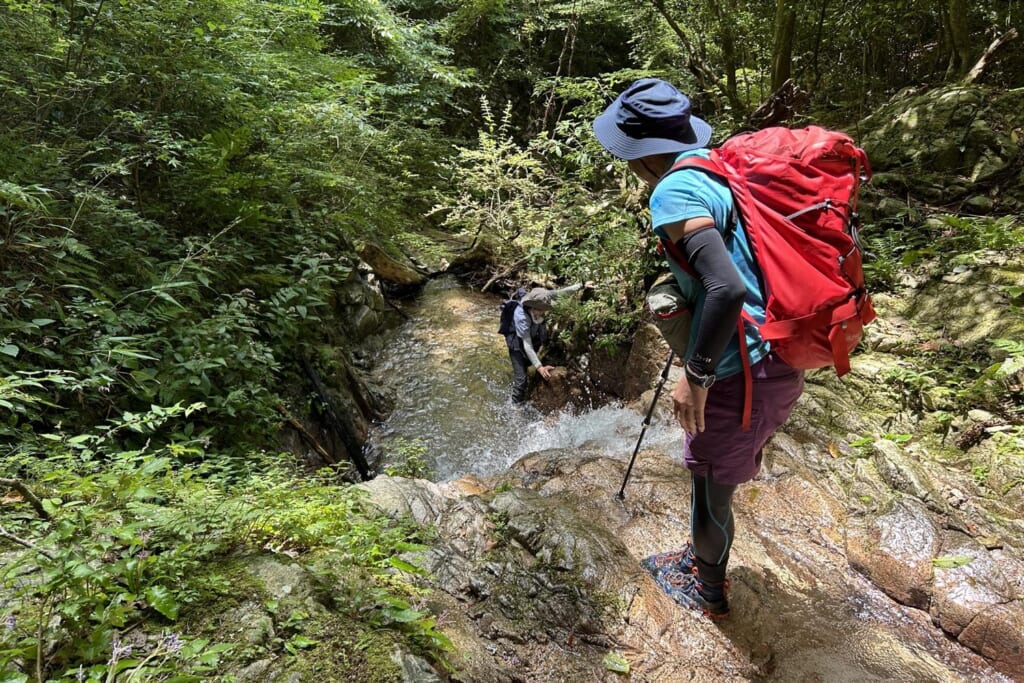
(538, 298)
(650, 117)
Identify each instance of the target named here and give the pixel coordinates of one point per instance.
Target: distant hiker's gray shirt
(527, 330)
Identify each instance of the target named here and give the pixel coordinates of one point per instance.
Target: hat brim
(538, 298)
(624, 147)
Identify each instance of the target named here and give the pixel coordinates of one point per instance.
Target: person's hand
(589, 284)
(688, 401)
(545, 371)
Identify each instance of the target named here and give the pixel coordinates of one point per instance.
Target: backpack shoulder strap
(712, 166)
(715, 167)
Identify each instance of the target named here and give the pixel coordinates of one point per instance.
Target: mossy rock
(923, 140)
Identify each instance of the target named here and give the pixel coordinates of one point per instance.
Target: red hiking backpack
(796, 194)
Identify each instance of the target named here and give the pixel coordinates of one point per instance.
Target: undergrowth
(106, 550)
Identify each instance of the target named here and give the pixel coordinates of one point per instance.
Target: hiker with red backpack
(738, 387)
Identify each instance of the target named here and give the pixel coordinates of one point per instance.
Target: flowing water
(451, 376)
(450, 372)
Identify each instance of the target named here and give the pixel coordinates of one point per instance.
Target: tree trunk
(782, 51)
(816, 58)
(960, 39)
(978, 70)
(701, 70)
(780, 107)
(724, 11)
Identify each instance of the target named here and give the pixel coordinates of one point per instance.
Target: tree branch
(505, 273)
(978, 70)
(304, 433)
(705, 75)
(4, 533)
(27, 494)
(782, 105)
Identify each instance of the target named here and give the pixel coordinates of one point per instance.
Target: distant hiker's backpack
(508, 313)
(796, 194)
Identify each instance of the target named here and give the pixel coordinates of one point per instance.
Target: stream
(451, 376)
(801, 612)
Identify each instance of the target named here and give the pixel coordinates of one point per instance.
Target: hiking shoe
(682, 559)
(687, 590)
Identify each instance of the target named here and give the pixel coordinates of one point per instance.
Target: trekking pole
(647, 421)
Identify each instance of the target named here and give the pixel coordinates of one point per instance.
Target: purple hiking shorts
(723, 450)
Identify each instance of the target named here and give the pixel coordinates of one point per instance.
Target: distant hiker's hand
(688, 401)
(545, 371)
(589, 284)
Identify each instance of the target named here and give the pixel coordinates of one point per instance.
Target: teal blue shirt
(690, 194)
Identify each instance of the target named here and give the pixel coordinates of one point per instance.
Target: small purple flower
(80, 676)
(145, 535)
(10, 622)
(117, 651)
(173, 643)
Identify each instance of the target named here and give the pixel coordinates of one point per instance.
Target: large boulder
(921, 143)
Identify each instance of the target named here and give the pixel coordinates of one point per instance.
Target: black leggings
(711, 526)
(519, 377)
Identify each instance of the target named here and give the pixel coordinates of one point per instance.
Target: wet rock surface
(538, 578)
(879, 542)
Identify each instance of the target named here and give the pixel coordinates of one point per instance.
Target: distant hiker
(525, 329)
(650, 125)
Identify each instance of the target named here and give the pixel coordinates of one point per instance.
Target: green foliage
(945, 242)
(1014, 361)
(952, 561)
(179, 185)
(408, 453)
(118, 543)
(865, 444)
(504, 190)
(613, 661)
(528, 201)
(128, 536)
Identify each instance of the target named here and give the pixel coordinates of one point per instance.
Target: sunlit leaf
(952, 562)
(162, 600)
(613, 661)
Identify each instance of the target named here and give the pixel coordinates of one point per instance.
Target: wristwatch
(701, 379)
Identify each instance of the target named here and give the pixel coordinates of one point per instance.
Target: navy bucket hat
(650, 117)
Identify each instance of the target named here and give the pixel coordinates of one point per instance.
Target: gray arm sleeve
(708, 256)
(530, 353)
(522, 321)
(565, 290)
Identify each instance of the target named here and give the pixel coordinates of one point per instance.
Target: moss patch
(347, 651)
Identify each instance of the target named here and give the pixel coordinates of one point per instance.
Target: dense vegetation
(183, 184)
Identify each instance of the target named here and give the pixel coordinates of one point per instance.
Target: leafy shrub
(121, 542)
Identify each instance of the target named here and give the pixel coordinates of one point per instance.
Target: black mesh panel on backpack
(508, 314)
(507, 325)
